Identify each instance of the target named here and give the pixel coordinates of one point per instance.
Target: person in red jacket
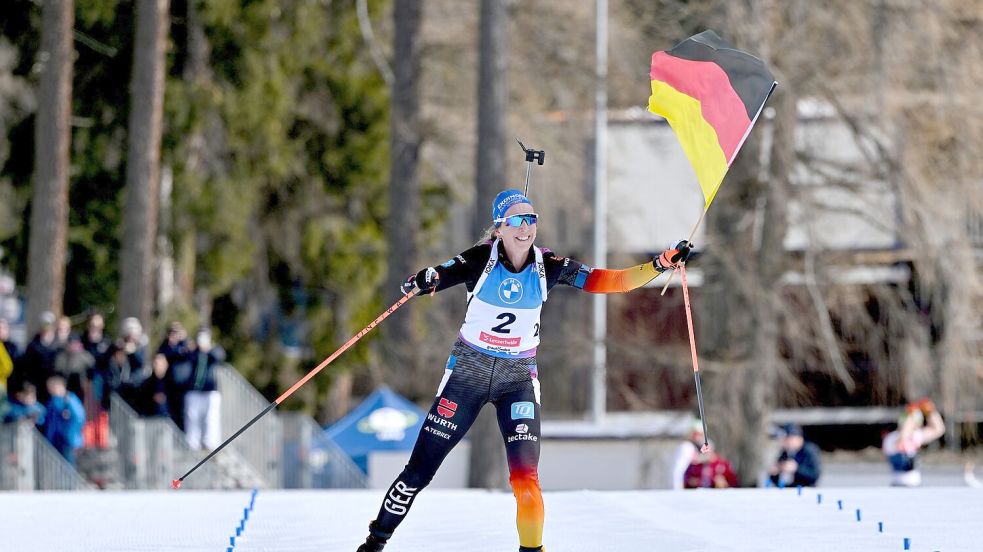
(710, 471)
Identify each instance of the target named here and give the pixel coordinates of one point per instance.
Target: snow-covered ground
(936, 518)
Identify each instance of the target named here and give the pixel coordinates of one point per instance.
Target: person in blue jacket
(798, 464)
(63, 419)
(23, 404)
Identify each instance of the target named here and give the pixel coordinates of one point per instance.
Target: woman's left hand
(670, 258)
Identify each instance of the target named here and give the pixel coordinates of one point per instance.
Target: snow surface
(940, 518)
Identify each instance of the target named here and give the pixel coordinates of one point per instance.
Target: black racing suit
(473, 378)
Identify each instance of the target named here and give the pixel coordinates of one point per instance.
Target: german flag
(711, 94)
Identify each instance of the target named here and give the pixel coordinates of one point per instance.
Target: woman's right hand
(426, 280)
(408, 285)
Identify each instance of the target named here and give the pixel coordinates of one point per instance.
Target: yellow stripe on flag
(698, 138)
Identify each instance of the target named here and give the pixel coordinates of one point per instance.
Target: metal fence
(28, 462)
(311, 460)
(261, 445)
(152, 452)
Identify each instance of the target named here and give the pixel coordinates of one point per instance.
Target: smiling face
(517, 241)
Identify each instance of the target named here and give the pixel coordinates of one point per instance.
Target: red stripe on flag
(706, 82)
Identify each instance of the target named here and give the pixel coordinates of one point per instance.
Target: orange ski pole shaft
(176, 483)
(696, 363)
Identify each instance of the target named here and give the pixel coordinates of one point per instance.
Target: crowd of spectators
(62, 381)
(799, 464)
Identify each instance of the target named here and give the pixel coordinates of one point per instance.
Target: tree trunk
(741, 301)
(52, 136)
(487, 453)
(137, 258)
(727, 321)
(196, 70)
(403, 223)
(339, 397)
(493, 57)
(770, 264)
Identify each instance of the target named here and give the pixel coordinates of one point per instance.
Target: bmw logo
(510, 291)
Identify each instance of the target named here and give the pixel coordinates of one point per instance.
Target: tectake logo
(510, 291)
(522, 428)
(523, 411)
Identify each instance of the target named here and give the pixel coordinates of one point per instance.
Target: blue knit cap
(505, 200)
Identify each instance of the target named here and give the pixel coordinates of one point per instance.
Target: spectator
(798, 464)
(63, 330)
(687, 452)
(24, 405)
(126, 361)
(9, 354)
(710, 471)
(63, 419)
(96, 397)
(919, 425)
(38, 362)
(155, 389)
(175, 345)
(94, 339)
(176, 350)
(202, 401)
(75, 364)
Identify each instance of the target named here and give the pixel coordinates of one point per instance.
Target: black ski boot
(376, 540)
(527, 549)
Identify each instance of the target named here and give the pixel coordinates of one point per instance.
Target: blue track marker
(858, 514)
(232, 542)
(819, 498)
(880, 526)
(839, 504)
(907, 543)
(799, 490)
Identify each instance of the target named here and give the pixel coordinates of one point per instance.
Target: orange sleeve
(604, 280)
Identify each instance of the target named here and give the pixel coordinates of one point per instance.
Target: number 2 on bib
(509, 318)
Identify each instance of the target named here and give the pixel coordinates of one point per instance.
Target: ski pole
(176, 483)
(531, 155)
(696, 365)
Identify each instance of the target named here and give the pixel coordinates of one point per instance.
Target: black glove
(670, 258)
(427, 280)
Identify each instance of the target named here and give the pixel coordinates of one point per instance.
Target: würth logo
(446, 408)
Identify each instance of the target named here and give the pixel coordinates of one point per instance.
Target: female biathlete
(494, 358)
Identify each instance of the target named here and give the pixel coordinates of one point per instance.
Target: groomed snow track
(947, 519)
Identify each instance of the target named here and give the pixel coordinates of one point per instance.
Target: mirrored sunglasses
(516, 221)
